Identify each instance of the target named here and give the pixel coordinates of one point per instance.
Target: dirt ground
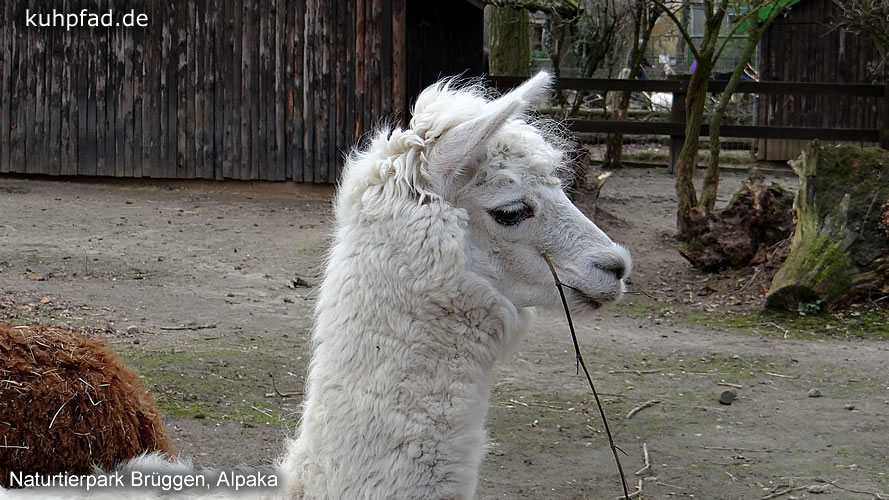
(193, 284)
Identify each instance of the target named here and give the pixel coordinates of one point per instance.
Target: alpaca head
(484, 157)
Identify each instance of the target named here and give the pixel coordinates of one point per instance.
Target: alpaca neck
(400, 378)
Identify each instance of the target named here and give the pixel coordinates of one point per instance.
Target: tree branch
(565, 8)
(679, 26)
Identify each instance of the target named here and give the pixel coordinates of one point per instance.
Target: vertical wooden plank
(270, 95)
(185, 83)
(137, 36)
(55, 63)
(309, 94)
(112, 92)
(230, 85)
(206, 50)
(262, 104)
(348, 125)
(199, 25)
(360, 69)
(376, 63)
(68, 99)
(233, 110)
(101, 73)
(296, 40)
(7, 87)
(152, 110)
(247, 74)
(17, 102)
(280, 68)
(196, 50)
(254, 99)
(884, 125)
(333, 131)
(386, 55)
(287, 41)
(159, 59)
(34, 147)
(215, 114)
(399, 59)
(175, 58)
(43, 41)
(87, 161)
(126, 97)
(322, 104)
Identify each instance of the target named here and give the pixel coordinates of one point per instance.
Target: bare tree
(644, 17)
(869, 17)
(753, 18)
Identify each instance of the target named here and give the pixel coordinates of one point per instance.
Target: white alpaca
(436, 264)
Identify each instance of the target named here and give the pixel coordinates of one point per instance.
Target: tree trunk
(506, 37)
(688, 156)
(711, 178)
(840, 248)
(615, 142)
(688, 211)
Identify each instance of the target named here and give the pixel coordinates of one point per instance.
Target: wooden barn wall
(444, 39)
(801, 47)
(252, 90)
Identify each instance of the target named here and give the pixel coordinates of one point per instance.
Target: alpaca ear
(534, 90)
(462, 146)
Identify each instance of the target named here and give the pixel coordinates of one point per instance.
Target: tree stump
(754, 221)
(841, 242)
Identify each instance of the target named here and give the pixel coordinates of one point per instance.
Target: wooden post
(884, 127)
(677, 115)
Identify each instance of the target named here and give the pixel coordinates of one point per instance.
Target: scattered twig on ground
(645, 458)
(279, 393)
(669, 485)
(874, 494)
(730, 475)
(638, 372)
(532, 403)
(745, 285)
(647, 294)
(780, 375)
(647, 404)
(785, 331)
(579, 359)
(734, 386)
(763, 450)
(635, 493)
(260, 410)
(785, 491)
(189, 327)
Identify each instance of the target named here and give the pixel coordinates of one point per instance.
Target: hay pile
(67, 403)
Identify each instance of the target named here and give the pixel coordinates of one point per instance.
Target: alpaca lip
(588, 300)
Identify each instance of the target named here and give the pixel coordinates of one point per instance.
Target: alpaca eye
(511, 215)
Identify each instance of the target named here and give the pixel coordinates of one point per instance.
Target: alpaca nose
(616, 268)
(617, 263)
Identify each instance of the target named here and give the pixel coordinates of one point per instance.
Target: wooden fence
(259, 89)
(675, 128)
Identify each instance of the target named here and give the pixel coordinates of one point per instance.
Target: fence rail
(675, 128)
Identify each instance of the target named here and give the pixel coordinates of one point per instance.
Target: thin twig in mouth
(580, 361)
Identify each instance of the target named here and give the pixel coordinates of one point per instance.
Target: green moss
(864, 322)
(216, 384)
